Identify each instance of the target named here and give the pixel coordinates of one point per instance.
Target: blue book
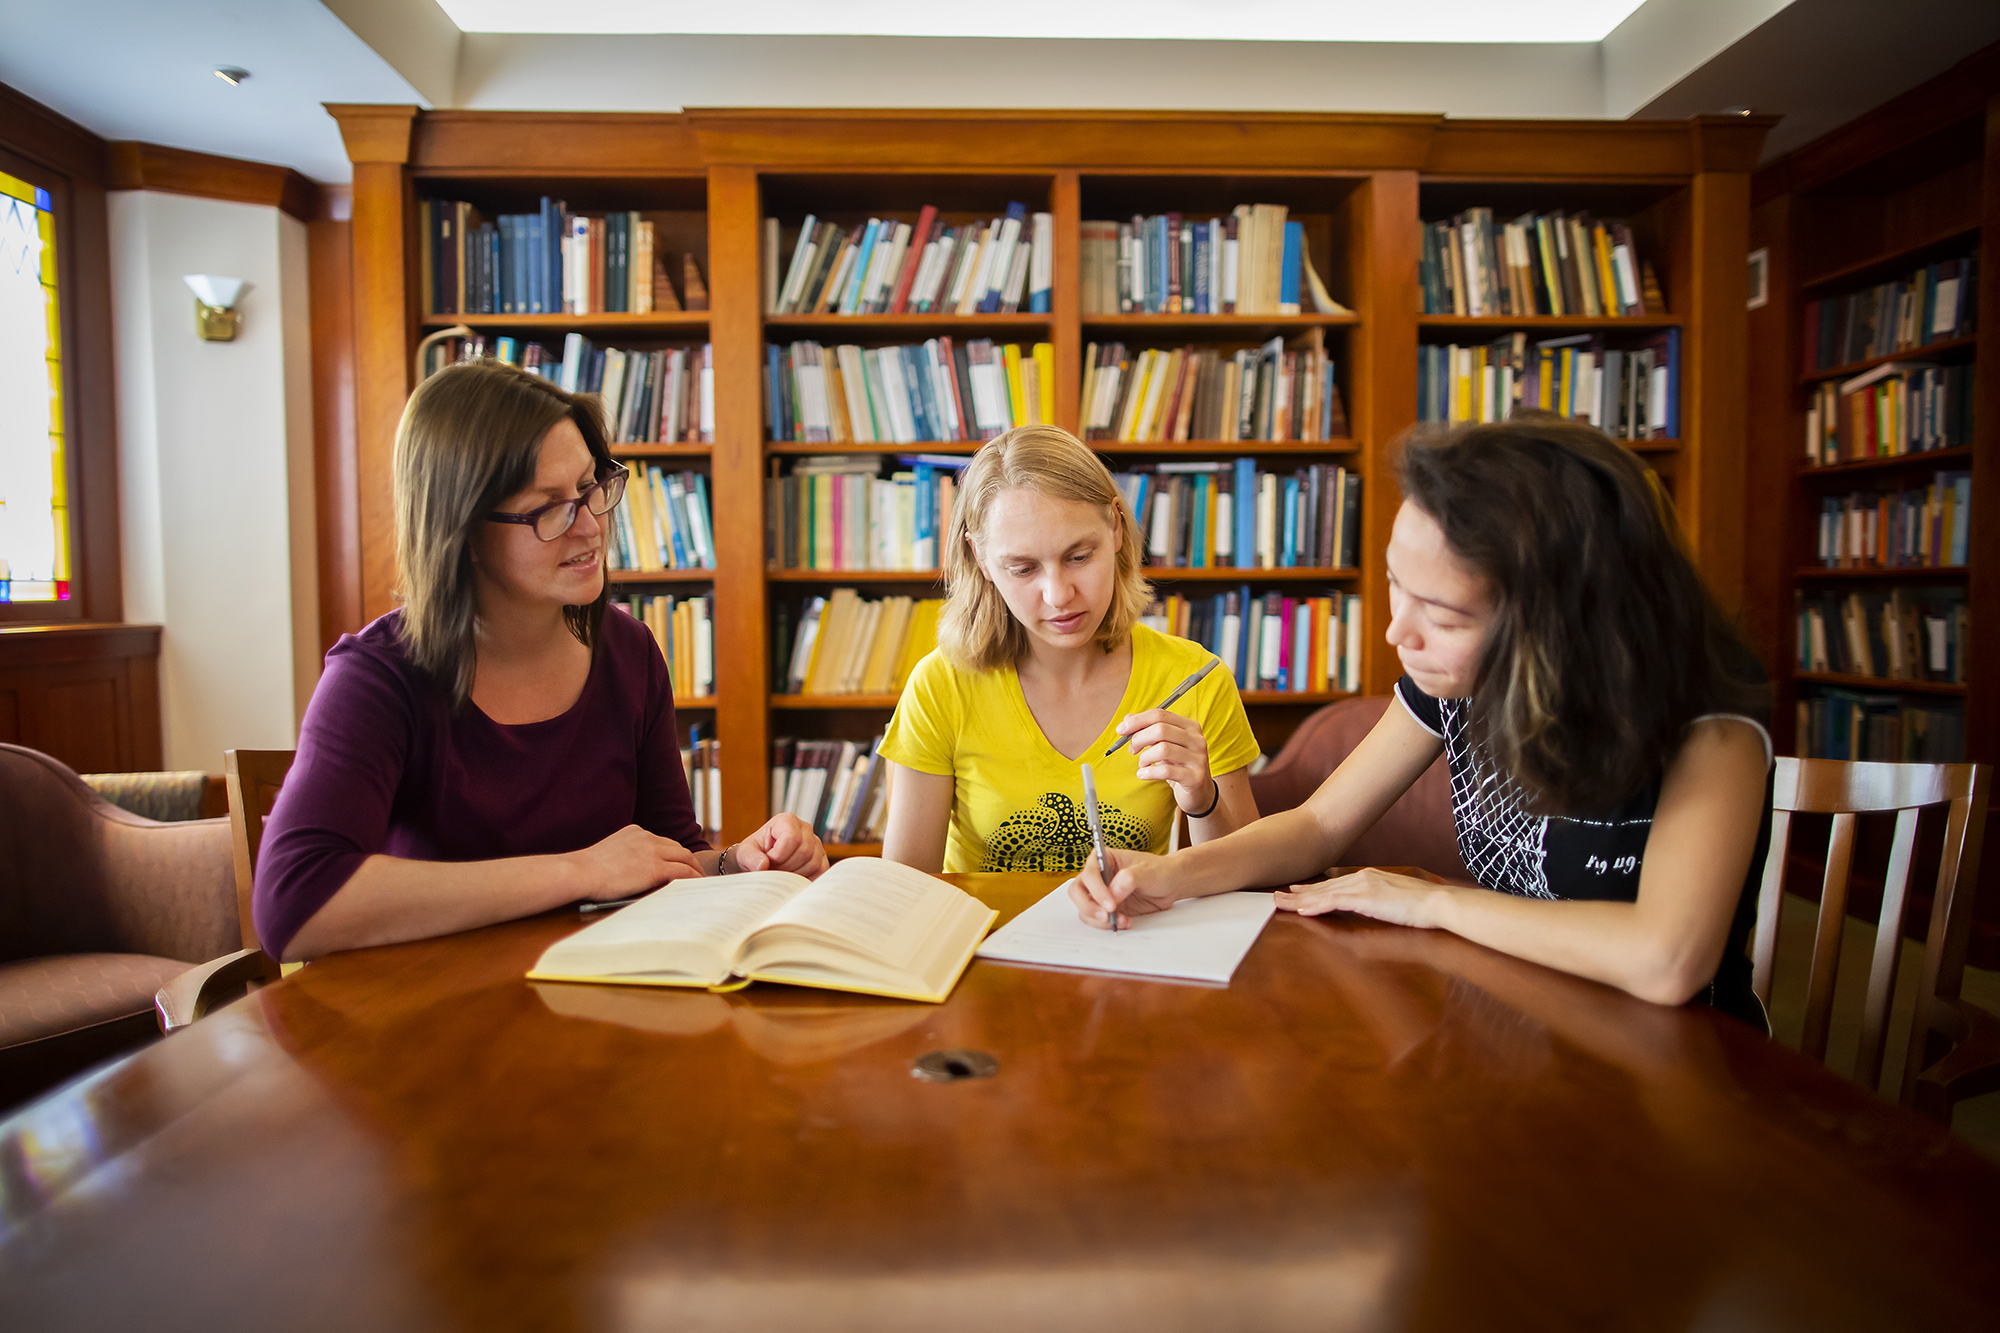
(1198, 545)
(504, 275)
(774, 422)
(850, 300)
(1201, 293)
(699, 496)
(1246, 652)
(1288, 270)
(1245, 504)
(522, 243)
(1218, 608)
(538, 273)
(1961, 519)
(917, 384)
(1163, 255)
(1673, 384)
(1326, 403)
(553, 231)
(1288, 542)
(996, 290)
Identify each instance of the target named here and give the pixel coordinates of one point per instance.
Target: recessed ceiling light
(231, 75)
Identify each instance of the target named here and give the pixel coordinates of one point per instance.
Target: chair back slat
(1951, 914)
(1826, 940)
(1764, 940)
(253, 778)
(1888, 951)
(1838, 786)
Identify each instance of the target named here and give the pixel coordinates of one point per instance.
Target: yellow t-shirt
(1017, 803)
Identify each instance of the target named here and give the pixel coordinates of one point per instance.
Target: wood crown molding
(374, 133)
(53, 140)
(151, 166)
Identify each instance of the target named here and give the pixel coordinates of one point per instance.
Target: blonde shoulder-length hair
(976, 631)
(471, 436)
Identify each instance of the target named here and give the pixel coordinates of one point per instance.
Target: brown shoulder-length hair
(471, 436)
(1606, 643)
(976, 630)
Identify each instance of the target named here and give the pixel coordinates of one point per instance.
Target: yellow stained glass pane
(55, 317)
(59, 472)
(17, 188)
(62, 544)
(55, 405)
(47, 228)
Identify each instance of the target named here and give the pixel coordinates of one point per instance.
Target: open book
(866, 925)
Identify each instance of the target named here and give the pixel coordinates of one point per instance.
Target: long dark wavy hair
(1606, 643)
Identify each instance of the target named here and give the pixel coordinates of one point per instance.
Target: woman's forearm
(1277, 849)
(389, 900)
(1611, 942)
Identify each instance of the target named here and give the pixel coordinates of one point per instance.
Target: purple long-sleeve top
(385, 766)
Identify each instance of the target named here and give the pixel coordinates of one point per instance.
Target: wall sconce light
(215, 314)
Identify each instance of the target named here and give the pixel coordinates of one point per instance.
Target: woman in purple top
(500, 745)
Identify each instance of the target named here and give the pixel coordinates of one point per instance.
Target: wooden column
(1982, 704)
(1066, 301)
(742, 667)
(378, 144)
(1385, 383)
(1715, 382)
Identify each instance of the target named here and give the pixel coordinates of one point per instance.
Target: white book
(1350, 657)
(1042, 256)
(947, 246)
(1232, 639)
(920, 285)
(572, 362)
(1002, 267)
(1302, 648)
(982, 275)
(902, 424)
(704, 649)
(707, 393)
(1225, 527)
(576, 277)
(1014, 291)
(1198, 939)
(610, 392)
(1270, 648)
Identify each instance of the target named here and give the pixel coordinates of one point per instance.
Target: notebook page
(1200, 939)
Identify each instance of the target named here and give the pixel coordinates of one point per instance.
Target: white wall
(216, 470)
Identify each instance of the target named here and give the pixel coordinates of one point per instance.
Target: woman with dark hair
(499, 745)
(1609, 771)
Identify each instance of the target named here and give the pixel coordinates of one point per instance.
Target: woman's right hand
(1140, 882)
(633, 861)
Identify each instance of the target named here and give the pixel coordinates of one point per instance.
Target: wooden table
(1371, 1128)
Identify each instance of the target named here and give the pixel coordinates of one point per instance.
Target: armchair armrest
(195, 992)
(1971, 1067)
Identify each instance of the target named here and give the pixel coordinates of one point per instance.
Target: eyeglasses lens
(608, 493)
(555, 521)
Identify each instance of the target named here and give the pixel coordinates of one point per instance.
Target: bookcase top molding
(578, 144)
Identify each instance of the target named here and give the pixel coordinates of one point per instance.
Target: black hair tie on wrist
(1204, 814)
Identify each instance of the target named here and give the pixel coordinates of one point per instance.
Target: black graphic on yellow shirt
(1056, 836)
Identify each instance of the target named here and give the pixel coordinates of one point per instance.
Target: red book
(949, 365)
(920, 238)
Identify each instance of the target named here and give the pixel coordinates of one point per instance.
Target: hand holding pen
(1171, 748)
(1126, 885)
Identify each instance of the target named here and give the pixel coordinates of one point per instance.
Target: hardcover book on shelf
(1270, 393)
(1538, 264)
(886, 266)
(1175, 264)
(1629, 393)
(938, 390)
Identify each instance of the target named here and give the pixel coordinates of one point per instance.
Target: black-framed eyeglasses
(552, 520)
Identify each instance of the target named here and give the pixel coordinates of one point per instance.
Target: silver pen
(1097, 833)
(1169, 701)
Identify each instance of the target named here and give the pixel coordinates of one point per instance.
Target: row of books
(1883, 728)
(1190, 393)
(902, 395)
(665, 397)
(835, 512)
(663, 523)
(1898, 408)
(1300, 645)
(1903, 634)
(1215, 514)
(549, 262)
(839, 787)
(887, 267)
(701, 760)
(1936, 303)
(1538, 264)
(684, 627)
(846, 644)
(1923, 526)
(1630, 393)
(1253, 262)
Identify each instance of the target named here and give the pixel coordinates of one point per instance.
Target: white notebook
(1200, 939)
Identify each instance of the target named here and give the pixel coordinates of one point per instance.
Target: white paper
(1200, 939)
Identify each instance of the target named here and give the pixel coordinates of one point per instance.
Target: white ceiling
(142, 69)
(1184, 20)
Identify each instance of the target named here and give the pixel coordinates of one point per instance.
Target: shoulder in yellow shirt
(1017, 803)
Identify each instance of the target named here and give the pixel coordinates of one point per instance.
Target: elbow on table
(1669, 976)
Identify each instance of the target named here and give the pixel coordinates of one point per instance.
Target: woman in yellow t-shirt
(1041, 665)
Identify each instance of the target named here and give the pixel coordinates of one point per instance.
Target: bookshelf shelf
(1889, 263)
(928, 323)
(1927, 352)
(1928, 458)
(840, 851)
(1553, 323)
(1357, 184)
(1307, 697)
(669, 321)
(622, 577)
(1883, 572)
(662, 450)
(1880, 683)
(1652, 446)
(705, 702)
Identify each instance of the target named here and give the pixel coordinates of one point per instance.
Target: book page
(1200, 939)
(878, 907)
(674, 925)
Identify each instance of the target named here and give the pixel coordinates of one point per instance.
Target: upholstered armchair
(98, 909)
(1416, 831)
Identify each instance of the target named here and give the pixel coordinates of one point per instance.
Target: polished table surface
(1370, 1128)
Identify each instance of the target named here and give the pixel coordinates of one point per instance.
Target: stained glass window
(34, 500)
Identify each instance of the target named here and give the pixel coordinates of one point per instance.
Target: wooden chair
(253, 778)
(1966, 1037)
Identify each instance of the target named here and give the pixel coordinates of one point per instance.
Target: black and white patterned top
(1561, 857)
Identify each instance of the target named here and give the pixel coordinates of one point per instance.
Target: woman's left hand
(786, 843)
(1380, 894)
(1171, 749)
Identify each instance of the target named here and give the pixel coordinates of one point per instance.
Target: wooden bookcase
(1360, 182)
(1915, 181)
